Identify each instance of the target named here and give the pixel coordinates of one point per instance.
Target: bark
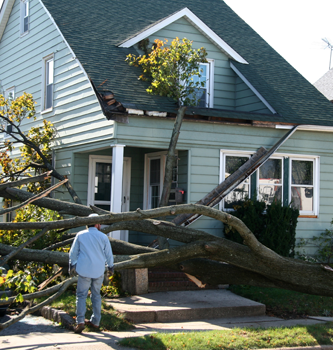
(169, 165)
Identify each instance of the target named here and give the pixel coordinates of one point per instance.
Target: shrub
(274, 227)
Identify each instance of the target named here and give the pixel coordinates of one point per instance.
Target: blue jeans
(83, 285)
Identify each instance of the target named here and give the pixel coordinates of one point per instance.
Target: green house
(113, 136)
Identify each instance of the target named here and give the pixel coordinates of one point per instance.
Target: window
(48, 73)
(285, 178)
(231, 163)
(24, 23)
(204, 94)
(304, 185)
(154, 177)
(270, 186)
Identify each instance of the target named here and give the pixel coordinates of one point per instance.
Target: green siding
(229, 90)
(76, 112)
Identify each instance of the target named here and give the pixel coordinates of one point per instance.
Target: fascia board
(196, 21)
(319, 128)
(254, 90)
(6, 9)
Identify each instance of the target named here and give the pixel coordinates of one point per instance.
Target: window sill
(309, 216)
(24, 34)
(45, 111)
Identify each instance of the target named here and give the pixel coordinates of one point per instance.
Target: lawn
(279, 303)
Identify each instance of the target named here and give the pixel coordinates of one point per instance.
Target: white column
(117, 182)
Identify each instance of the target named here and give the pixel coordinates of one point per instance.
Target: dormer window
(24, 24)
(204, 94)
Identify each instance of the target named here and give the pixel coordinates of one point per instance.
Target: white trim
(23, 5)
(44, 90)
(146, 187)
(254, 90)
(307, 128)
(316, 175)
(126, 184)
(6, 9)
(7, 92)
(315, 186)
(223, 155)
(196, 21)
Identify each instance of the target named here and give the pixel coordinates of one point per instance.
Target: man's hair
(89, 216)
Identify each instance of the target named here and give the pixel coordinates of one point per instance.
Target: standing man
(90, 252)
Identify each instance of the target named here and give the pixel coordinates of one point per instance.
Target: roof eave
(6, 9)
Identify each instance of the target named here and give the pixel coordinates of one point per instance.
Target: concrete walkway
(35, 332)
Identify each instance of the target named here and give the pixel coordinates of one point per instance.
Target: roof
(95, 28)
(325, 85)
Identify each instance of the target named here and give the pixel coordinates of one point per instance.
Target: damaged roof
(95, 28)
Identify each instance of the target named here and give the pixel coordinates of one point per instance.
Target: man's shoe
(90, 324)
(79, 328)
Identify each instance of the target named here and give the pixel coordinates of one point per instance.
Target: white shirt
(90, 251)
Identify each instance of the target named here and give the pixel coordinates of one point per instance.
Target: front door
(99, 185)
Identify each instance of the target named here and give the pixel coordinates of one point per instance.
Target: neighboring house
(325, 85)
(71, 57)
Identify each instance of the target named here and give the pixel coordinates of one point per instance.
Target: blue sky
(294, 28)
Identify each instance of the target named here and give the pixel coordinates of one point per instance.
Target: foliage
(173, 70)
(323, 244)
(114, 288)
(21, 282)
(236, 338)
(275, 227)
(14, 113)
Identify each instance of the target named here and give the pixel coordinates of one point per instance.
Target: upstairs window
(204, 94)
(24, 23)
(48, 83)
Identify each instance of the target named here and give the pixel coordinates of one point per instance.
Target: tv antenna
(330, 46)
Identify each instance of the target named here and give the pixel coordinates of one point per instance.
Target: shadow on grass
(322, 333)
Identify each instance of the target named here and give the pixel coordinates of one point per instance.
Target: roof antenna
(330, 46)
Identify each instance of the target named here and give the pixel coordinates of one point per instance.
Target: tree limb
(34, 198)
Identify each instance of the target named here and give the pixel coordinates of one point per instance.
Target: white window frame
(146, 187)
(316, 182)
(232, 153)
(316, 176)
(45, 78)
(282, 177)
(24, 16)
(209, 83)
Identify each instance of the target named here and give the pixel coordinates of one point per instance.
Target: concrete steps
(174, 306)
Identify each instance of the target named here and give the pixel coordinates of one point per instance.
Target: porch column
(117, 182)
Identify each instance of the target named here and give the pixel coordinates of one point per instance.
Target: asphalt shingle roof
(95, 28)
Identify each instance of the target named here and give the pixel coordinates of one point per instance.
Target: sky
(294, 28)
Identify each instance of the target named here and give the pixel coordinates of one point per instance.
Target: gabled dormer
(226, 87)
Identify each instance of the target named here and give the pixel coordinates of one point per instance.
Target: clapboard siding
(76, 112)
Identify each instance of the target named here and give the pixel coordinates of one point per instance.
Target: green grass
(287, 304)
(237, 338)
(111, 319)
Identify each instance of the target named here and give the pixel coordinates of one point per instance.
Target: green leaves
(171, 69)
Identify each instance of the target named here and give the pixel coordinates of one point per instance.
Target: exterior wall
(76, 113)
(229, 93)
(202, 142)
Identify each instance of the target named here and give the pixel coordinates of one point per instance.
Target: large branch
(26, 180)
(34, 198)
